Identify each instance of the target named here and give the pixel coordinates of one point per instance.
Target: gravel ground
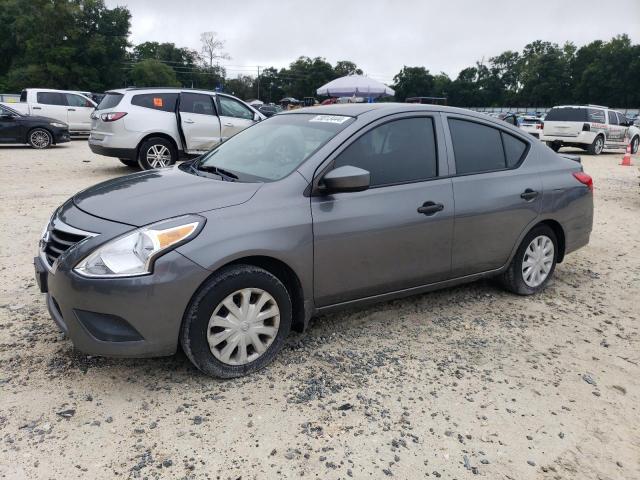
(465, 381)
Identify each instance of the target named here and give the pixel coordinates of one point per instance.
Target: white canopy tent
(355, 86)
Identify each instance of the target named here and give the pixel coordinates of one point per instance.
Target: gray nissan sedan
(307, 212)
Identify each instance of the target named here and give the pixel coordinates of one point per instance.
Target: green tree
(77, 44)
(153, 73)
(413, 82)
(344, 68)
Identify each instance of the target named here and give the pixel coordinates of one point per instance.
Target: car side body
(330, 250)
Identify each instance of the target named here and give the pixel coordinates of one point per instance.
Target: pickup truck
(67, 107)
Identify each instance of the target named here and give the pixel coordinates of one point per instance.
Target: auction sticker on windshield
(330, 119)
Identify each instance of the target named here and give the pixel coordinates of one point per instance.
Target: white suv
(154, 127)
(590, 127)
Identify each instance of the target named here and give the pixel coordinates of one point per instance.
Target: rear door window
(480, 148)
(196, 103)
(613, 118)
(51, 98)
(399, 151)
(165, 102)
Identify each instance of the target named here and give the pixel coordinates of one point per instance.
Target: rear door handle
(430, 208)
(529, 195)
(37, 108)
(71, 109)
(188, 120)
(229, 124)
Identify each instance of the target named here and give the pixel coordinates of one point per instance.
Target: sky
(380, 36)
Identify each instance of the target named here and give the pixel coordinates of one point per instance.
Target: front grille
(59, 242)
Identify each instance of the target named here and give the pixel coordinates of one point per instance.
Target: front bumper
(120, 317)
(61, 136)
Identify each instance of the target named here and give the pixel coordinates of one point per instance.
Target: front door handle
(71, 109)
(430, 208)
(188, 120)
(228, 124)
(37, 108)
(529, 195)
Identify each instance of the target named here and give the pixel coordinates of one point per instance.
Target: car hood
(146, 197)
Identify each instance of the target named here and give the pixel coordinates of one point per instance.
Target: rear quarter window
(164, 102)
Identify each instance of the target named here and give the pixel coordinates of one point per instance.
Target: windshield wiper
(218, 171)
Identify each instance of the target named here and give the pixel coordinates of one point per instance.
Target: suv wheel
(634, 145)
(534, 262)
(156, 152)
(597, 146)
(40, 138)
(237, 322)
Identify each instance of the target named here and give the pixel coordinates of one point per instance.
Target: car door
(234, 116)
(497, 193)
(615, 131)
(376, 241)
(199, 122)
(9, 126)
(79, 110)
(52, 105)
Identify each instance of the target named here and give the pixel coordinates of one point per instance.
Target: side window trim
(451, 155)
(442, 166)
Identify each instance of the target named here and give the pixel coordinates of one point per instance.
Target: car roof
(356, 109)
(164, 90)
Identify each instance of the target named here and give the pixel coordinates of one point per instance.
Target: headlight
(58, 125)
(133, 253)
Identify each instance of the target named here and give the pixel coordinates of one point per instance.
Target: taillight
(584, 179)
(539, 126)
(112, 116)
(586, 127)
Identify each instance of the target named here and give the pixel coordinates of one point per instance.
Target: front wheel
(534, 262)
(40, 138)
(237, 322)
(155, 153)
(597, 146)
(634, 145)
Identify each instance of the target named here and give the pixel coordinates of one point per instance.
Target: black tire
(40, 138)
(193, 334)
(159, 145)
(554, 146)
(129, 163)
(634, 144)
(597, 146)
(513, 279)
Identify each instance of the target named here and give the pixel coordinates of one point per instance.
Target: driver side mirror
(346, 179)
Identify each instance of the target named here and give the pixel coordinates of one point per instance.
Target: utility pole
(258, 83)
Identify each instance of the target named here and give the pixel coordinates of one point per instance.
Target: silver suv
(154, 127)
(590, 127)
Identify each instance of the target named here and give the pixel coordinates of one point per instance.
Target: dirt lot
(469, 380)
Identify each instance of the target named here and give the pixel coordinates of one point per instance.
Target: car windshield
(9, 111)
(273, 148)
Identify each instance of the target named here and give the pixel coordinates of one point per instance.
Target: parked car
(532, 125)
(269, 110)
(39, 132)
(590, 127)
(307, 212)
(154, 127)
(64, 106)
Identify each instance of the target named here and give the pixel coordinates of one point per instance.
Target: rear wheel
(40, 138)
(237, 322)
(597, 146)
(534, 262)
(156, 152)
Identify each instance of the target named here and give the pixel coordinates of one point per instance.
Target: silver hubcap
(537, 261)
(599, 145)
(243, 326)
(40, 139)
(158, 156)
